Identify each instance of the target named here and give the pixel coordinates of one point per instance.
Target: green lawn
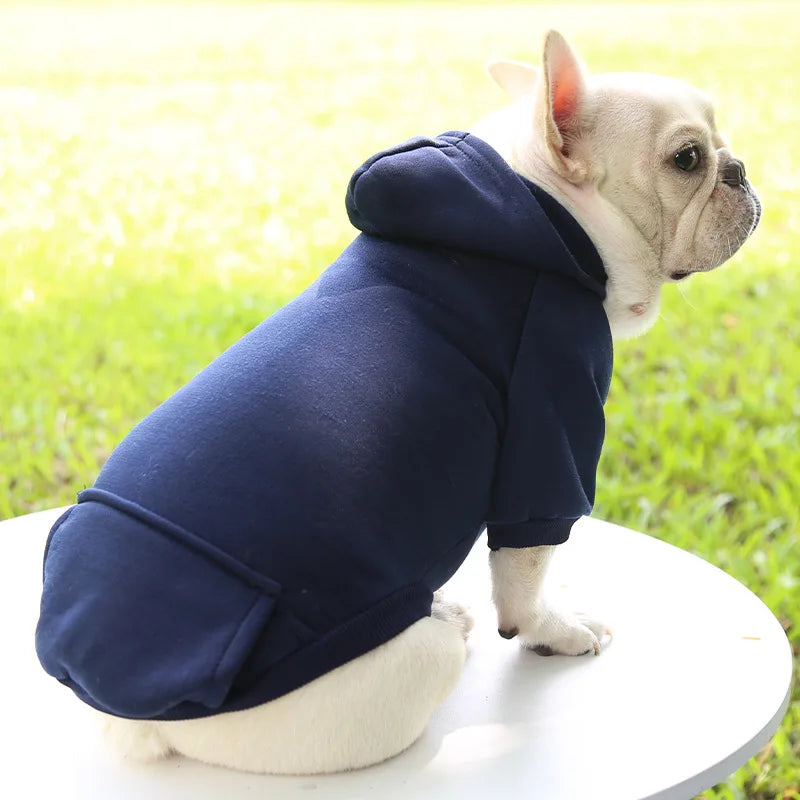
(170, 176)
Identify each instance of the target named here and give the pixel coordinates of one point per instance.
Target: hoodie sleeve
(545, 479)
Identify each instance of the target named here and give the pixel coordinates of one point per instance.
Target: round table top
(694, 683)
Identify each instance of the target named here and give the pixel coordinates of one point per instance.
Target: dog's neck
(634, 285)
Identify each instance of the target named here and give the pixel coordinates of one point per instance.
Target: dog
(253, 580)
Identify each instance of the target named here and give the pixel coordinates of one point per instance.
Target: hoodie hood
(456, 191)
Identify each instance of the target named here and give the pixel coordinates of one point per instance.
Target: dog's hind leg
(363, 712)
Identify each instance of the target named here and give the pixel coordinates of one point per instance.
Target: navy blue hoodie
(297, 503)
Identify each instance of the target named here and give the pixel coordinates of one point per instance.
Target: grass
(171, 175)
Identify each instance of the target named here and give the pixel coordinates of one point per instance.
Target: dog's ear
(515, 77)
(562, 106)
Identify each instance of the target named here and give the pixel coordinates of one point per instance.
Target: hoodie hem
(533, 533)
(354, 638)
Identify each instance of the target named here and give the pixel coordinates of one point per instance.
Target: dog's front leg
(517, 578)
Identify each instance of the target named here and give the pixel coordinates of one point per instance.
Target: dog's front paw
(553, 632)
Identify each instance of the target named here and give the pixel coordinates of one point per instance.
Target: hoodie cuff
(533, 533)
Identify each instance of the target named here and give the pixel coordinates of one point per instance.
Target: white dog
(637, 161)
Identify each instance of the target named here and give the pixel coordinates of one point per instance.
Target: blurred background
(172, 174)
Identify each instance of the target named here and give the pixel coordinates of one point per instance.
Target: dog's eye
(687, 158)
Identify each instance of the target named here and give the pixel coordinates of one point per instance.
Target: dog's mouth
(679, 276)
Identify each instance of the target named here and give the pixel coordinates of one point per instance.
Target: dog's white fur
(604, 146)
(522, 609)
(358, 714)
(610, 161)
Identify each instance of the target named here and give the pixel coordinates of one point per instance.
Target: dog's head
(638, 161)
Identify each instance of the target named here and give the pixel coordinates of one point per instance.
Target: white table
(695, 682)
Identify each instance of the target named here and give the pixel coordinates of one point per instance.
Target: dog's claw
(571, 635)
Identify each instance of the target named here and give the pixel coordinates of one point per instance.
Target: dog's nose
(733, 174)
(508, 634)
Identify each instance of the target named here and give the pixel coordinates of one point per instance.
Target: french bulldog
(637, 160)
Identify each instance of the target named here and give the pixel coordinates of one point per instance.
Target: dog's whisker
(686, 300)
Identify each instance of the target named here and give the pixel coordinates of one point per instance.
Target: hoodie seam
(486, 168)
(232, 639)
(408, 147)
(520, 335)
(511, 375)
(165, 527)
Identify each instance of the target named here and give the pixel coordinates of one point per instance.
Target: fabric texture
(297, 503)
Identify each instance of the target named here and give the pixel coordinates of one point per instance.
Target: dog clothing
(297, 503)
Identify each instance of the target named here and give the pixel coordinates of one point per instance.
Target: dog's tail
(139, 740)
